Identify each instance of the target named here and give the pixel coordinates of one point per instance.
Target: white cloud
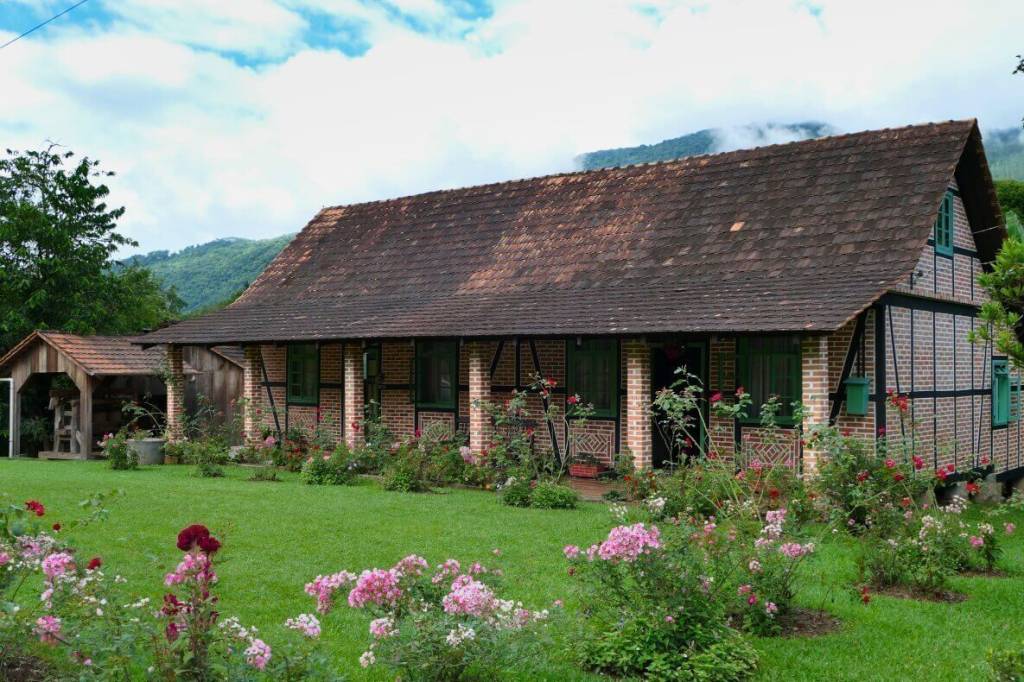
(206, 147)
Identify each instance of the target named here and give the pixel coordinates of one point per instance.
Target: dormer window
(944, 226)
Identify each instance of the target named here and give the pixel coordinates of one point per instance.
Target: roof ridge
(682, 160)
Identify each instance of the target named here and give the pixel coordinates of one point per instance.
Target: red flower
(865, 596)
(36, 507)
(950, 468)
(417, 433)
(881, 430)
(941, 474)
(897, 477)
(863, 476)
(189, 537)
(847, 433)
(739, 391)
(209, 545)
(984, 461)
(905, 502)
(890, 463)
(355, 427)
(973, 488)
(715, 397)
(551, 382)
(918, 463)
(56, 527)
(94, 563)
(773, 493)
(572, 400)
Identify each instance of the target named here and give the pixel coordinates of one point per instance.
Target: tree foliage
(57, 236)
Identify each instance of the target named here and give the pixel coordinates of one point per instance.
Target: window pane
(593, 371)
(770, 367)
(435, 373)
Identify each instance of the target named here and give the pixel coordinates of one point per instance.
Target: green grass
(280, 535)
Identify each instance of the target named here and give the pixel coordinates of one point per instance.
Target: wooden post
(85, 435)
(15, 434)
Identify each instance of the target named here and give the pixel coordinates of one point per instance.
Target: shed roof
(96, 355)
(791, 237)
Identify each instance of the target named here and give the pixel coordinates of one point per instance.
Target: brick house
(827, 271)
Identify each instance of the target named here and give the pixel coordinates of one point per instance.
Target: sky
(242, 118)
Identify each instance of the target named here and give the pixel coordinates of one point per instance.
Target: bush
(551, 495)
(408, 470)
(433, 456)
(266, 473)
(207, 454)
(337, 468)
(655, 607)
(442, 623)
(119, 454)
(517, 491)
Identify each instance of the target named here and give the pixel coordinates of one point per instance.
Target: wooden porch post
(479, 392)
(814, 361)
(15, 434)
(85, 435)
(175, 393)
(639, 434)
(352, 368)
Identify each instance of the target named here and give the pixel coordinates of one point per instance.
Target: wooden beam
(85, 389)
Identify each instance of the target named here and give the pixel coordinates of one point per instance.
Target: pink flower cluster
(382, 628)
(377, 586)
(257, 654)
(56, 565)
(794, 550)
(47, 629)
(323, 588)
(449, 569)
(626, 543)
(411, 565)
(306, 623)
(469, 597)
(193, 566)
(5, 558)
(571, 551)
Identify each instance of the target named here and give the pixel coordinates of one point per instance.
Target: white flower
(367, 659)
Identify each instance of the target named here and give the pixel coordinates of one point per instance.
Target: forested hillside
(211, 273)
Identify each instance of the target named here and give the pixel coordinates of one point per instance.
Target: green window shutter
(303, 374)
(593, 373)
(436, 374)
(1000, 393)
(944, 226)
(770, 366)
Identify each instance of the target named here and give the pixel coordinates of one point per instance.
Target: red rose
(94, 563)
(918, 463)
(739, 391)
(905, 502)
(984, 461)
(897, 477)
(715, 397)
(572, 400)
(863, 476)
(56, 527)
(881, 430)
(973, 488)
(36, 507)
(941, 475)
(890, 463)
(773, 493)
(950, 468)
(189, 537)
(865, 596)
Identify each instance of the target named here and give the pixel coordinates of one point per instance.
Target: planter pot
(585, 470)
(148, 450)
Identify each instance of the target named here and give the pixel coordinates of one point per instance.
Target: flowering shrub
(551, 495)
(926, 546)
(444, 622)
(337, 468)
(108, 634)
(116, 450)
(863, 481)
(432, 456)
(655, 606)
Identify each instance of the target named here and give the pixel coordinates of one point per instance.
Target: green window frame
(303, 374)
(372, 381)
(1000, 392)
(437, 367)
(944, 226)
(767, 366)
(593, 374)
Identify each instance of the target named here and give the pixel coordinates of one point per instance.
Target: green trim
(1000, 392)
(434, 352)
(788, 352)
(303, 380)
(589, 359)
(943, 232)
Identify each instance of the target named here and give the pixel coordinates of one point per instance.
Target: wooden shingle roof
(791, 237)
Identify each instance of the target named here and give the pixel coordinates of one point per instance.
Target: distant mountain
(208, 274)
(707, 141)
(1005, 147)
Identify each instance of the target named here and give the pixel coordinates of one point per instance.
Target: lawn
(280, 535)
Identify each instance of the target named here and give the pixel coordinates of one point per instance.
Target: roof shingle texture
(791, 237)
(98, 355)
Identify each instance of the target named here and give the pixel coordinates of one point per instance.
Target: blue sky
(244, 117)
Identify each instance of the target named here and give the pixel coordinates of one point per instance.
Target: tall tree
(57, 236)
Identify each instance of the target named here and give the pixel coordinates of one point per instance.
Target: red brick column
(352, 369)
(814, 356)
(479, 392)
(252, 393)
(175, 393)
(639, 435)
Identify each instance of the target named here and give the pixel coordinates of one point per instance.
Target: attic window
(944, 226)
